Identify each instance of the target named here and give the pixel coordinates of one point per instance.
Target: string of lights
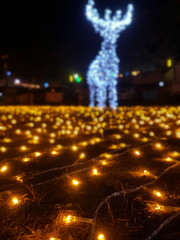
(53, 153)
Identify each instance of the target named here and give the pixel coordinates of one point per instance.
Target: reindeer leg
(113, 99)
(101, 97)
(92, 96)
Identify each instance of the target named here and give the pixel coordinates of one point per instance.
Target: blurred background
(46, 48)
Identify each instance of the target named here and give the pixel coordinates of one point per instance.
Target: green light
(78, 79)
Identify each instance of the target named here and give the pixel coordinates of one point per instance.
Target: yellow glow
(15, 201)
(75, 182)
(7, 140)
(52, 135)
(104, 163)
(158, 146)
(36, 138)
(117, 136)
(26, 159)
(3, 149)
(28, 132)
(74, 148)
(136, 135)
(18, 131)
(19, 179)
(54, 153)
(178, 133)
(137, 152)
(37, 154)
(59, 147)
(83, 144)
(145, 139)
(158, 207)
(169, 62)
(95, 171)
(82, 155)
(158, 194)
(122, 145)
(168, 159)
(151, 134)
(175, 154)
(71, 78)
(105, 155)
(69, 219)
(101, 237)
(146, 172)
(155, 207)
(51, 141)
(23, 148)
(4, 168)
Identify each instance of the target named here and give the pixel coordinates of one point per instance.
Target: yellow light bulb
(36, 138)
(137, 153)
(75, 182)
(158, 146)
(23, 148)
(158, 207)
(15, 201)
(158, 194)
(74, 148)
(95, 172)
(3, 149)
(25, 159)
(3, 169)
(82, 155)
(19, 179)
(101, 237)
(104, 163)
(37, 154)
(54, 153)
(168, 159)
(69, 219)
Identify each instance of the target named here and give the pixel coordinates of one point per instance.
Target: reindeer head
(109, 26)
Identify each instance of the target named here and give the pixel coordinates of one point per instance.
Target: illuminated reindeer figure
(104, 70)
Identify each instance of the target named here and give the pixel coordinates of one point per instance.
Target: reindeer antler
(100, 24)
(93, 15)
(127, 19)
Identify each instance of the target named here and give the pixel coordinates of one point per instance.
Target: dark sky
(49, 40)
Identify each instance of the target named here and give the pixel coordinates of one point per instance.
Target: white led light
(161, 84)
(104, 70)
(17, 81)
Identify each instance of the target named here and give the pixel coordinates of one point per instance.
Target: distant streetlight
(17, 81)
(71, 78)
(161, 84)
(46, 84)
(169, 63)
(76, 75)
(75, 78)
(8, 73)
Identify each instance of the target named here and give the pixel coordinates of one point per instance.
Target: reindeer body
(100, 71)
(103, 71)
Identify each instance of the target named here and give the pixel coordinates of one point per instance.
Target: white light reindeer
(103, 71)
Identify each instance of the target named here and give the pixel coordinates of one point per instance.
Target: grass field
(76, 173)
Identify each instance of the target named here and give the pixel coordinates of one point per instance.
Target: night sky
(50, 40)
